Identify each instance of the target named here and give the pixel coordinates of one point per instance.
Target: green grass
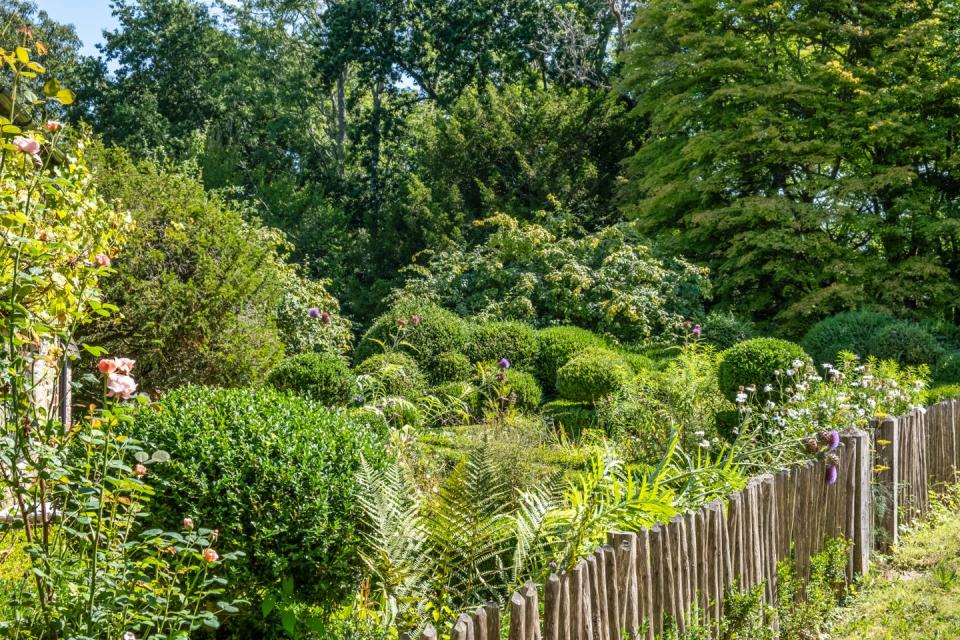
(916, 594)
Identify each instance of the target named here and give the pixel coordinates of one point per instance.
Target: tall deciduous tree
(806, 150)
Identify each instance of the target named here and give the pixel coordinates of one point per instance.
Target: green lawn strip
(916, 593)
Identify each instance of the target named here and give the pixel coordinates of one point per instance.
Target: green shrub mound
(526, 390)
(556, 345)
(906, 342)
(438, 331)
(723, 330)
(394, 373)
(947, 370)
(515, 341)
(638, 361)
(942, 392)
(753, 362)
(321, 376)
(593, 374)
(851, 331)
(573, 417)
(276, 474)
(451, 366)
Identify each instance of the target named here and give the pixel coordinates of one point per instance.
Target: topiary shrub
(723, 330)
(850, 331)
(942, 392)
(556, 345)
(592, 374)
(276, 474)
(422, 330)
(321, 376)
(906, 342)
(638, 361)
(391, 374)
(572, 417)
(526, 390)
(516, 341)
(451, 366)
(947, 370)
(754, 362)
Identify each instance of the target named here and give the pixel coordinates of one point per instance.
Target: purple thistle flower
(314, 312)
(696, 331)
(833, 440)
(831, 474)
(504, 363)
(415, 321)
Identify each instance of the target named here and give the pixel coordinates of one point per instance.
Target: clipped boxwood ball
(556, 345)
(592, 374)
(638, 361)
(525, 389)
(321, 376)
(573, 417)
(906, 342)
(451, 366)
(850, 331)
(396, 372)
(753, 362)
(516, 341)
(723, 330)
(427, 330)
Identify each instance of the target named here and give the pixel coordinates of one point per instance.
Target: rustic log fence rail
(640, 584)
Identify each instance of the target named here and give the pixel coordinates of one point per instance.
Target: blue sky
(89, 17)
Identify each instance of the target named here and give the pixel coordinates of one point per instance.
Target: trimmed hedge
(321, 376)
(276, 474)
(451, 366)
(906, 342)
(556, 345)
(526, 389)
(947, 370)
(851, 331)
(724, 330)
(515, 341)
(572, 417)
(593, 374)
(437, 331)
(755, 361)
(396, 372)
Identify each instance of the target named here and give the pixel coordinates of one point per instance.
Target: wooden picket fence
(641, 584)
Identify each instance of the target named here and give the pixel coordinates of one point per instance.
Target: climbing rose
(124, 365)
(314, 312)
(504, 363)
(140, 470)
(120, 386)
(210, 555)
(28, 146)
(107, 365)
(102, 259)
(831, 474)
(52, 125)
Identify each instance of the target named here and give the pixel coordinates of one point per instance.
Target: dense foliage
(275, 474)
(760, 363)
(321, 376)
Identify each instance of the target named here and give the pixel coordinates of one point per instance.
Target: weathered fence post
(886, 445)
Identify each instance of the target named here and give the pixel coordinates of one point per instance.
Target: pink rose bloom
(52, 125)
(140, 470)
(102, 259)
(210, 555)
(28, 146)
(124, 365)
(120, 386)
(107, 365)
(188, 523)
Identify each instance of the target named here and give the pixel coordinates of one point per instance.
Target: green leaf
(161, 456)
(65, 96)
(50, 88)
(141, 456)
(269, 602)
(288, 621)
(93, 350)
(286, 588)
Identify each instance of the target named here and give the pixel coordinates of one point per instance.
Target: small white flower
(704, 444)
(790, 372)
(128, 635)
(768, 388)
(699, 434)
(741, 397)
(797, 364)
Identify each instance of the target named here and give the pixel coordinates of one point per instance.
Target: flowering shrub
(611, 280)
(801, 402)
